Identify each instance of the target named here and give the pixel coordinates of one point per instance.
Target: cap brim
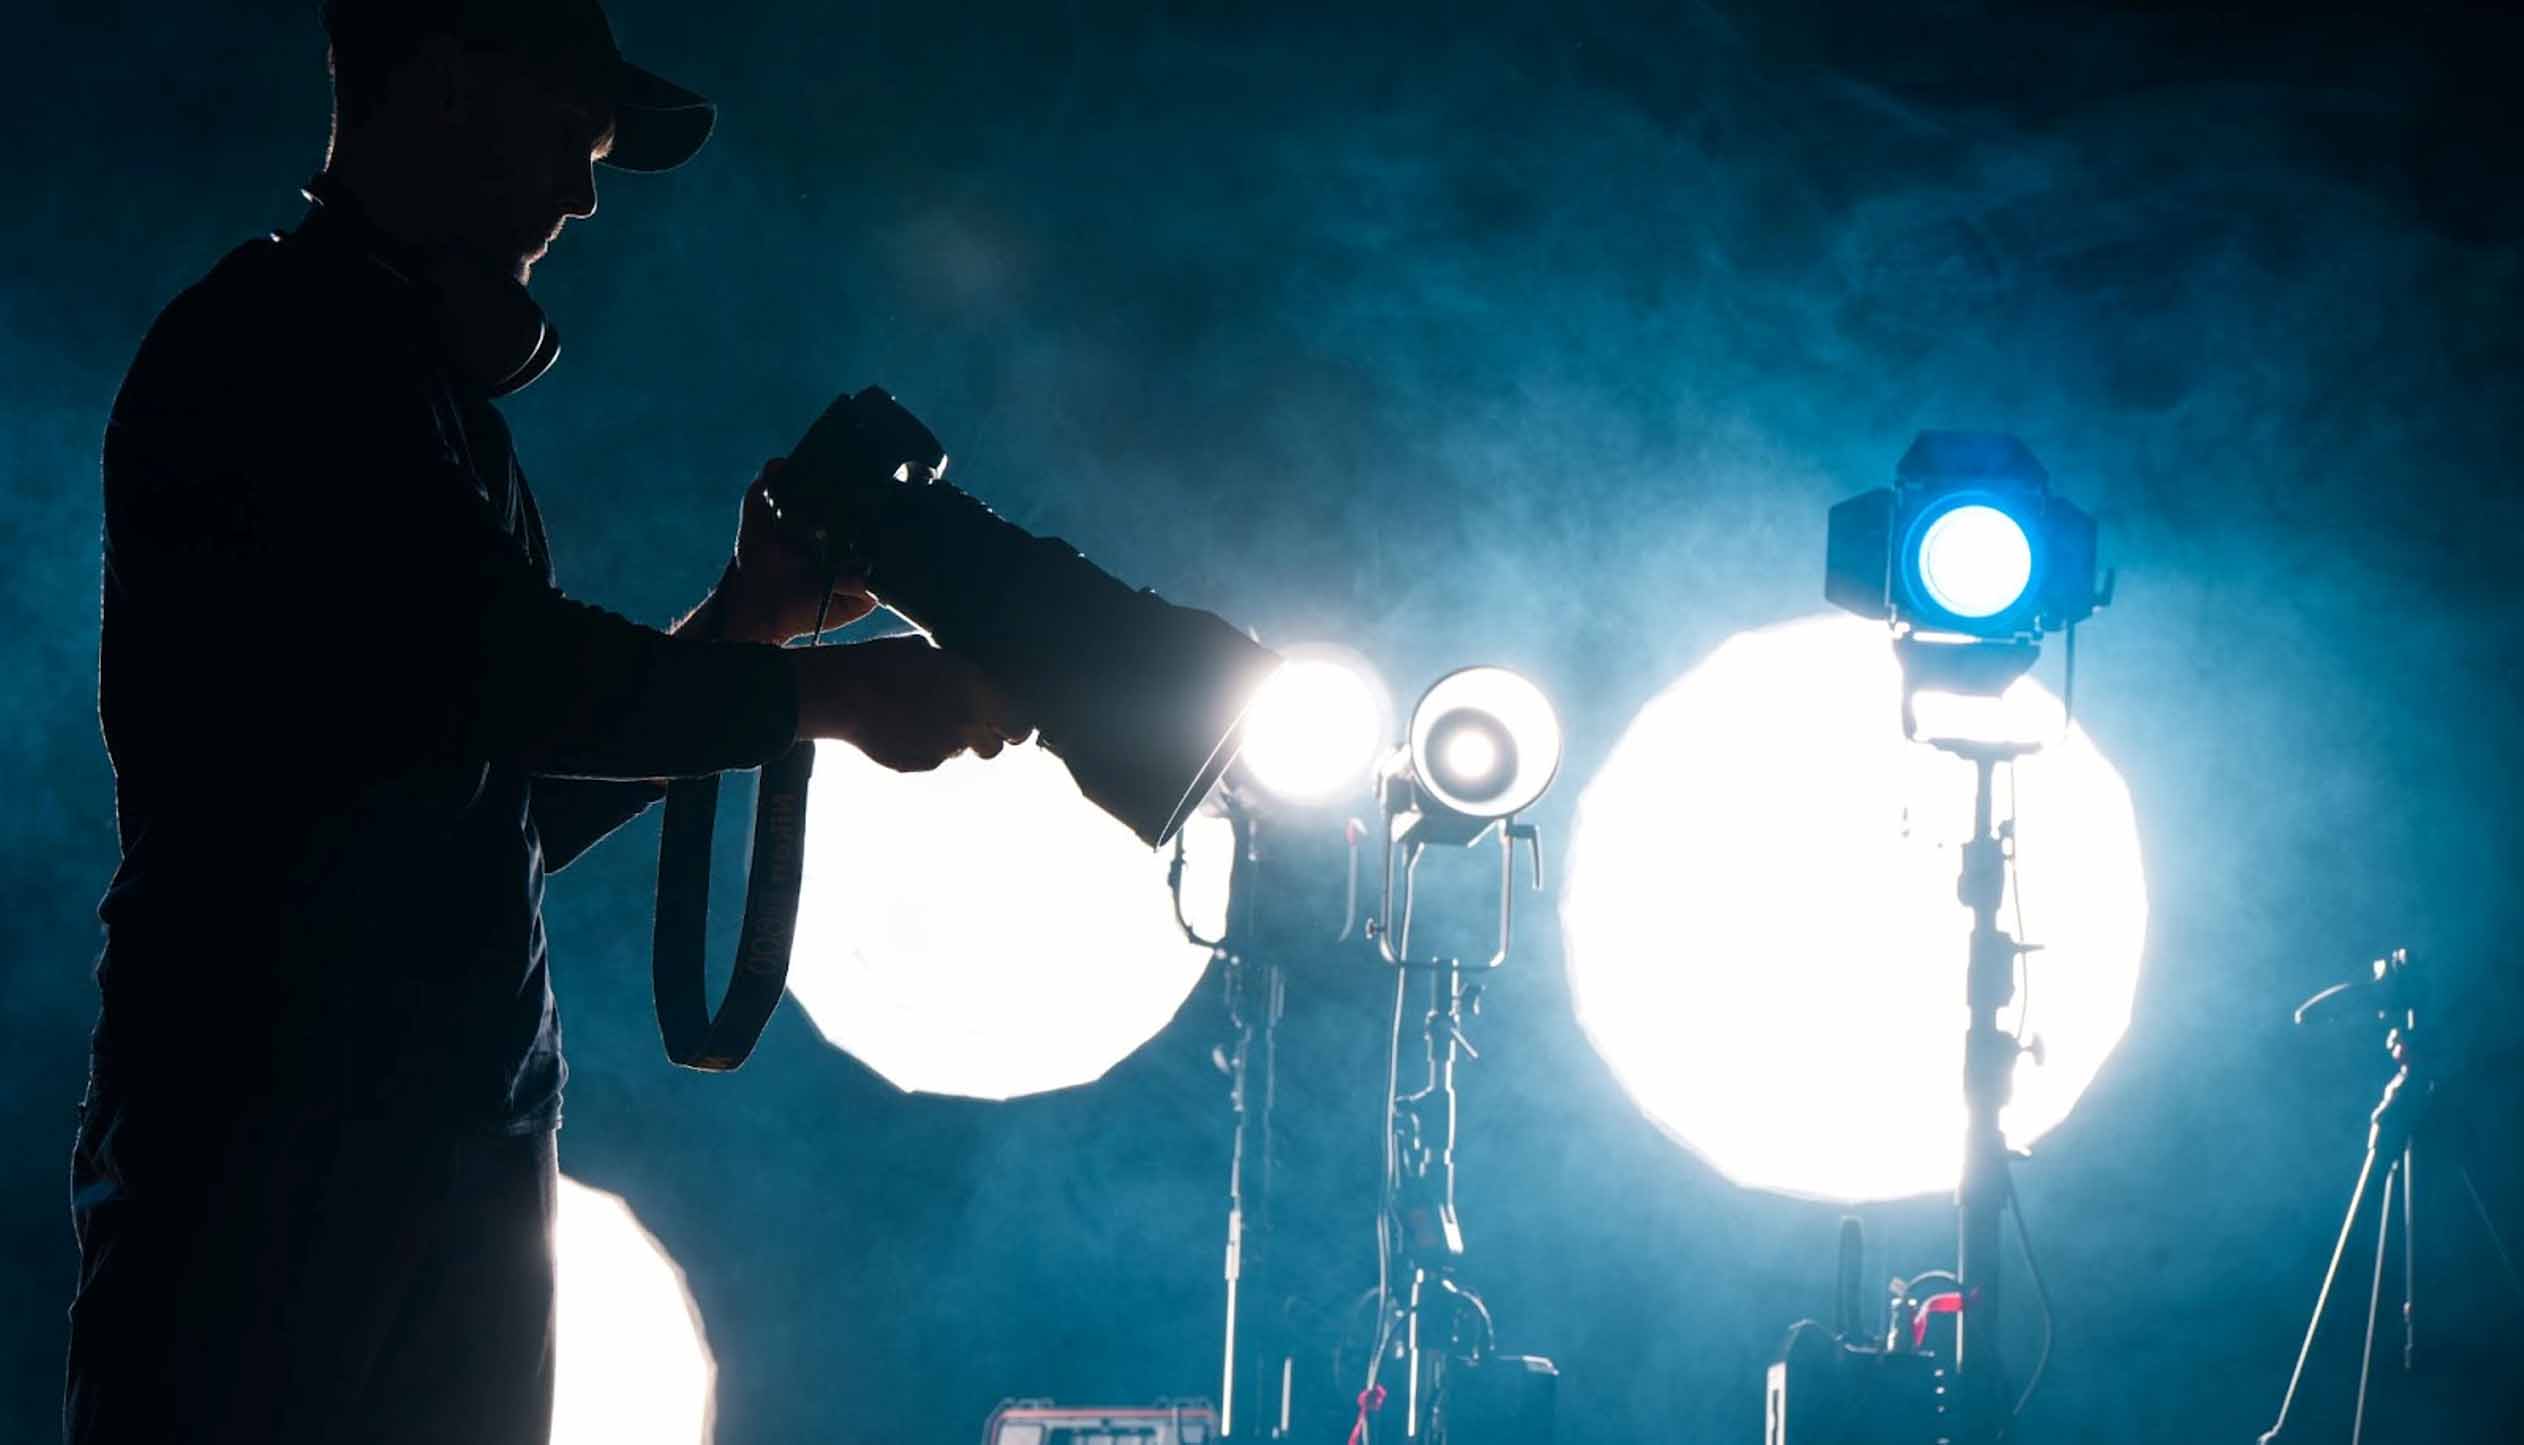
(657, 124)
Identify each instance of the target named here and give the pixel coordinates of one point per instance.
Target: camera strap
(696, 1037)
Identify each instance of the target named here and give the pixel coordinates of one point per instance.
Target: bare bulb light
(1314, 732)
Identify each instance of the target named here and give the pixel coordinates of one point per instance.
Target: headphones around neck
(492, 333)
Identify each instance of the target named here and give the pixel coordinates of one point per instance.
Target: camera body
(1144, 700)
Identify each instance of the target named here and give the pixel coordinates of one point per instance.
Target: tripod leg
(2322, 1299)
(2409, 1266)
(2374, 1297)
(2497, 1241)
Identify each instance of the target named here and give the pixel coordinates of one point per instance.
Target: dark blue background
(1538, 336)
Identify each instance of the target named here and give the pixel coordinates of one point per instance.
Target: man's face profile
(500, 150)
(525, 145)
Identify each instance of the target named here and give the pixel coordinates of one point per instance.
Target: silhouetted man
(353, 726)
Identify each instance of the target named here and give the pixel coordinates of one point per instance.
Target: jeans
(270, 1275)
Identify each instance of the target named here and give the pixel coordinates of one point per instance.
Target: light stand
(1989, 1063)
(1845, 1392)
(1421, 1126)
(1972, 558)
(1483, 746)
(1256, 998)
(2393, 1133)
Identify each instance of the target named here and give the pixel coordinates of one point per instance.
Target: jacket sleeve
(284, 492)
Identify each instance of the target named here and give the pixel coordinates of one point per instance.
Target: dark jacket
(353, 723)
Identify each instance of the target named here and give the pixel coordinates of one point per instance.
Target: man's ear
(436, 80)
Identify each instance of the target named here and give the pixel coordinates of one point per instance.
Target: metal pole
(1435, 1233)
(1246, 1207)
(2322, 1297)
(1237, 1089)
(2374, 1298)
(2409, 1264)
(1988, 1073)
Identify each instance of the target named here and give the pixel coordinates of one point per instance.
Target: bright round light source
(1485, 742)
(1761, 929)
(1315, 730)
(1470, 756)
(984, 930)
(633, 1367)
(1975, 561)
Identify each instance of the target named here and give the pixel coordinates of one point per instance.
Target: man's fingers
(994, 714)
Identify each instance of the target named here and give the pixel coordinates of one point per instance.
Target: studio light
(1974, 560)
(1482, 747)
(984, 930)
(1761, 926)
(1970, 556)
(1484, 744)
(1314, 732)
(633, 1367)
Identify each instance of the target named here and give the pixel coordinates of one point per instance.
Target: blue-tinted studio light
(1969, 544)
(1972, 559)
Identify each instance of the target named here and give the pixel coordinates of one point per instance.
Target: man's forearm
(728, 615)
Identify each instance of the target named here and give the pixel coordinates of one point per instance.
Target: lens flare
(633, 1367)
(984, 930)
(1975, 561)
(1314, 732)
(1761, 929)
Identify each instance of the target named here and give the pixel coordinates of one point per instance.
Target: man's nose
(578, 197)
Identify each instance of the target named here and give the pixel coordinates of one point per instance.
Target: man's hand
(903, 702)
(774, 589)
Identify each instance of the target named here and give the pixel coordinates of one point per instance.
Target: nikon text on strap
(695, 1037)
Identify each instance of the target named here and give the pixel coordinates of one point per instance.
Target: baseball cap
(658, 125)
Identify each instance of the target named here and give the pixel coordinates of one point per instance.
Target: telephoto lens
(1143, 699)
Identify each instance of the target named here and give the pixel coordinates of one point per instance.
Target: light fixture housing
(1484, 745)
(1968, 545)
(1314, 731)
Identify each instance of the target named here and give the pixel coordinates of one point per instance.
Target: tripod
(2392, 1135)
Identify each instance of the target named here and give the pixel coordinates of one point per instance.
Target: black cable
(2041, 1292)
(2015, 887)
